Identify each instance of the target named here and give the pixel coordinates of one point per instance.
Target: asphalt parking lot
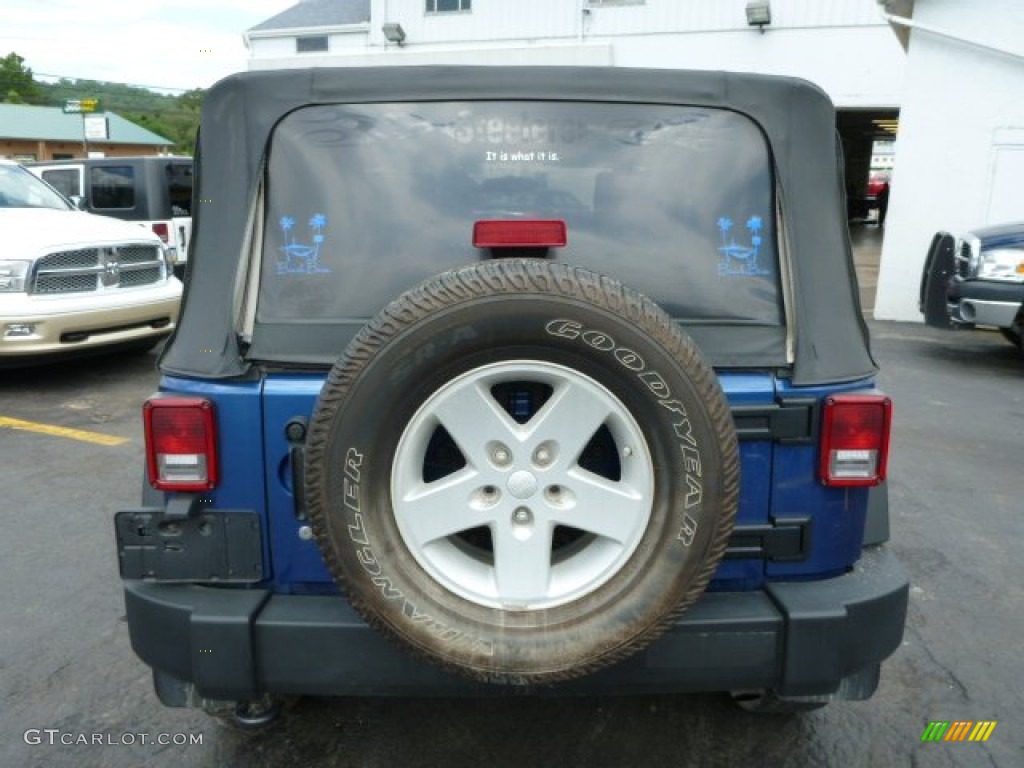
(65, 663)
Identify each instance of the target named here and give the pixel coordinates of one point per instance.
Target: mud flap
(938, 268)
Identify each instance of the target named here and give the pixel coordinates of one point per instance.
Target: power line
(126, 99)
(95, 80)
(111, 82)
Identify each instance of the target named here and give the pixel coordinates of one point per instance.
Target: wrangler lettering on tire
(540, 497)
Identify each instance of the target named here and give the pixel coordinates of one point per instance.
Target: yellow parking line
(71, 434)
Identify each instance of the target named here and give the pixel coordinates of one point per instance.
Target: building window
(448, 6)
(311, 44)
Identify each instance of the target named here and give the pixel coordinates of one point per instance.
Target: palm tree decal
(740, 259)
(318, 222)
(754, 225)
(287, 224)
(724, 225)
(302, 258)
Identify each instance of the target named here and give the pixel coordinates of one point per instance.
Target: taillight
(161, 230)
(520, 233)
(855, 439)
(180, 443)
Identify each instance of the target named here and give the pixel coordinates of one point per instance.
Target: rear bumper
(800, 638)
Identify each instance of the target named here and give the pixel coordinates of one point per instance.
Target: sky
(173, 44)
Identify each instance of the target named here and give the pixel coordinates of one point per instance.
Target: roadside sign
(82, 106)
(95, 127)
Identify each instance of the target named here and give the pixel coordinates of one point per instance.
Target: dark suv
(550, 377)
(155, 192)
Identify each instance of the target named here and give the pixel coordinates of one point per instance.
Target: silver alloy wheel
(521, 481)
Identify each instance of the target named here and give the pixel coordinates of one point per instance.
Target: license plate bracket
(211, 546)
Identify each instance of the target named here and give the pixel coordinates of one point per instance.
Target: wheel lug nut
(522, 516)
(544, 454)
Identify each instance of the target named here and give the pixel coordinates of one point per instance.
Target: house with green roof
(47, 133)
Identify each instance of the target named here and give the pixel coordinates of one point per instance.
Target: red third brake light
(180, 443)
(855, 439)
(520, 233)
(161, 230)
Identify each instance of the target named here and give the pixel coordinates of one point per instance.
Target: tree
(192, 101)
(16, 81)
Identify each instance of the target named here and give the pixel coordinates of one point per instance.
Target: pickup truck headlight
(169, 259)
(1002, 264)
(970, 249)
(12, 275)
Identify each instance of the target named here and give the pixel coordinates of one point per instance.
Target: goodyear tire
(522, 471)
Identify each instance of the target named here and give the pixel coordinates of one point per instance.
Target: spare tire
(522, 471)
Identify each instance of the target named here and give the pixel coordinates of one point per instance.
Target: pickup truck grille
(96, 269)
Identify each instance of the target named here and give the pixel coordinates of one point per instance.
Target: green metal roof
(18, 121)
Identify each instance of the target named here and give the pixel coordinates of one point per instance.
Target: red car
(875, 184)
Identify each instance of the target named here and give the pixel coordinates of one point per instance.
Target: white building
(961, 139)
(845, 46)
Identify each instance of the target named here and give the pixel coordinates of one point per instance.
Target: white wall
(855, 66)
(586, 55)
(1006, 189)
(534, 19)
(281, 49)
(961, 134)
(842, 45)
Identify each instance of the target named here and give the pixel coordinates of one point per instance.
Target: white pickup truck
(72, 282)
(154, 192)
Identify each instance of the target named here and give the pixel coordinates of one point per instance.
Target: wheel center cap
(522, 484)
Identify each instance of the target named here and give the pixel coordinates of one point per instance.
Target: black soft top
(828, 336)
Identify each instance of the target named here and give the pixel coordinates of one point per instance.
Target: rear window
(113, 186)
(366, 201)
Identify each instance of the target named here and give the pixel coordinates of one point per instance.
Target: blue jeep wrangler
(493, 378)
